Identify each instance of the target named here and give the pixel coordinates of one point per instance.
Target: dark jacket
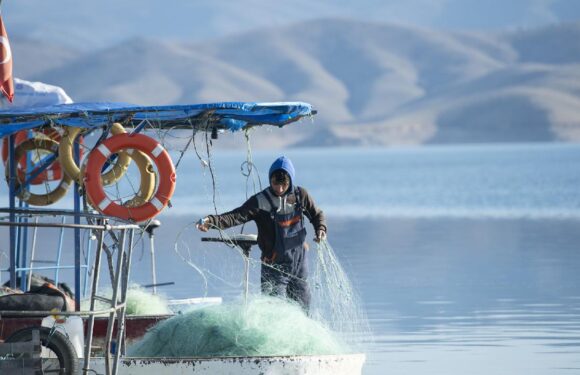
(254, 209)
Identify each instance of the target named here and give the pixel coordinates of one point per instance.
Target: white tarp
(35, 94)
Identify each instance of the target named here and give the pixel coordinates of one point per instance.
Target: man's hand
(320, 235)
(202, 225)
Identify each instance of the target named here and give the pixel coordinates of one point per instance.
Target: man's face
(279, 187)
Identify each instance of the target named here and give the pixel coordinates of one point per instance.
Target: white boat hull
(348, 364)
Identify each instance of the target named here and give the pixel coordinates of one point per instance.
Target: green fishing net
(139, 302)
(335, 299)
(264, 326)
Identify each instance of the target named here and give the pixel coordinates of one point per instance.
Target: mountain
(33, 57)
(97, 24)
(373, 84)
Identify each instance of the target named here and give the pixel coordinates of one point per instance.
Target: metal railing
(98, 225)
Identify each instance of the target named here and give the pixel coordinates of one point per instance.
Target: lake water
(466, 258)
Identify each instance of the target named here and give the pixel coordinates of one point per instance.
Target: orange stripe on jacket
(292, 221)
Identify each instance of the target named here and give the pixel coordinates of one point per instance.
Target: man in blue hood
(279, 212)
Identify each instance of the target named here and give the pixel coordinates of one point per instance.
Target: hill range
(373, 84)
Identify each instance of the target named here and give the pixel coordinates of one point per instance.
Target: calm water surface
(466, 258)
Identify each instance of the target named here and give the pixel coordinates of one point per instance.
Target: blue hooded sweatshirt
(286, 165)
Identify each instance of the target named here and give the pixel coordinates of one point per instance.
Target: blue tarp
(226, 115)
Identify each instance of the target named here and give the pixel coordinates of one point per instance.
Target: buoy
(39, 199)
(66, 158)
(158, 155)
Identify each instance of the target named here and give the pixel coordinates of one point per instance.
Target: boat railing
(123, 235)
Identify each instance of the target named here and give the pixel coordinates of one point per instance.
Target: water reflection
(469, 296)
(452, 296)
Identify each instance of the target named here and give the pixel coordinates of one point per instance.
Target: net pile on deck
(139, 302)
(265, 326)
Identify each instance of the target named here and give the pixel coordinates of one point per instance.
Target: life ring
(21, 136)
(165, 169)
(53, 172)
(39, 199)
(147, 182)
(66, 158)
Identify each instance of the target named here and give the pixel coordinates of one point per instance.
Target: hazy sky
(96, 23)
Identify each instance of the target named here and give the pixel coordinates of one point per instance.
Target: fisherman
(278, 212)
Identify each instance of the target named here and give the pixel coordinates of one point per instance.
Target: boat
(94, 340)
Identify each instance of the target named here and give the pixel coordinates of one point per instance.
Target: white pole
(246, 277)
(33, 250)
(153, 273)
(149, 228)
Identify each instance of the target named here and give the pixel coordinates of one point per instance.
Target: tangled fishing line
(335, 299)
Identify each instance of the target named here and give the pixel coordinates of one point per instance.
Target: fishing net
(264, 326)
(139, 302)
(335, 301)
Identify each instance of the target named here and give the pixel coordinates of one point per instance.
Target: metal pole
(23, 234)
(116, 285)
(87, 265)
(12, 199)
(153, 272)
(149, 228)
(246, 277)
(122, 313)
(59, 251)
(77, 220)
(23, 231)
(32, 251)
(19, 229)
(91, 322)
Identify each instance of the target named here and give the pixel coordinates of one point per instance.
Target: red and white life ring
(165, 169)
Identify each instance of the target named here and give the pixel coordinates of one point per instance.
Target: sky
(91, 24)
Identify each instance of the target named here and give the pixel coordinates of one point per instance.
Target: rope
(182, 152)
(208, 145)
(251, 170)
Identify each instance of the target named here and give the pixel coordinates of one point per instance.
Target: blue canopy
(226, 115)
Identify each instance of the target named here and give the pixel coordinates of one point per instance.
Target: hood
(286, 164)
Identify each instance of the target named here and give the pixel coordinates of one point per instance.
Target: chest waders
(285, 273)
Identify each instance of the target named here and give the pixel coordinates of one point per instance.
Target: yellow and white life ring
(50, 197)
(66, 158)
(53, 172)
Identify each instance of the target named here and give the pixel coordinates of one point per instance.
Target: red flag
(6, 82)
